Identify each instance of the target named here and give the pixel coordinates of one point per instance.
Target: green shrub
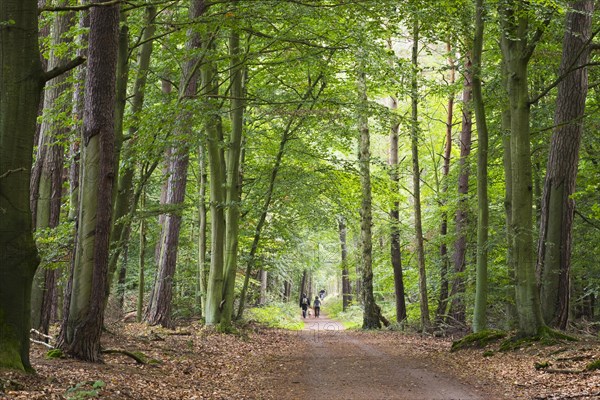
(352, 318)
(277, 315)
(85, 390)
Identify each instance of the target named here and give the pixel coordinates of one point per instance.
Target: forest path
(332, 363)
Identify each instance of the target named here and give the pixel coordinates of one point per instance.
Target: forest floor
(323, 361)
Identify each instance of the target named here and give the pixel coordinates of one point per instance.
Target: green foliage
(277, 315)
(54, 353)
(541, 365)
(85, 390)
(352, 318)
(593, 366)
(546, 337)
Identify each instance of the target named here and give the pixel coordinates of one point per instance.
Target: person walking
(304, 304)
(317, 306)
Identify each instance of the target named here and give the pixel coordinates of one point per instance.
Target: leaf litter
(196, 362)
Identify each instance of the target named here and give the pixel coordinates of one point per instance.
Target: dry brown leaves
(191, 363)
(197, 363)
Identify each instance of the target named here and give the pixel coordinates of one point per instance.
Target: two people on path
(305, 304)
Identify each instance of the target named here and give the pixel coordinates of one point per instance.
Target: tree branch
(82, 7)
(583, 217)
(54, 72)
(11, 171)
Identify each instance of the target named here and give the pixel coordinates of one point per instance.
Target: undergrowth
(277, 315)
(352, 318)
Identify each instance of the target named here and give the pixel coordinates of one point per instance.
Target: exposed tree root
(136, 357)
(545, 336)
(478, 340)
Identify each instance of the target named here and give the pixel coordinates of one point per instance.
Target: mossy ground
(478, 340)
(546, 337)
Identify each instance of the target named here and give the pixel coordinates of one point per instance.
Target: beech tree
(82, 326)
(21, 81)
(519, 38)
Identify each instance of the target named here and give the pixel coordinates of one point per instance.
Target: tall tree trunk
(78, 109)
(303, 286)
(47, 175)
(371, 311)
(142, 261)
(444, 259)
(346, 289)
(457, 306)
(262, 298)
(121, 99)
(233, 188)
(556, 225)
(124, 194)
(20, 85)
(159, 308)
(395, 254)
(202, 270)
(481, 290)
(83, 325)
(517, 49)
(424, 301)
(218, 179)
(511, 309)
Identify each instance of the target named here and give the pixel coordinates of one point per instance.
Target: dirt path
(337, 364)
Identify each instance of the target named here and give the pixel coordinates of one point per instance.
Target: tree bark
(346, 289)
(371, 311)
(202, 217)
(20, 85)
(218, 179)
(445, 260)
(124, 196)
(83, 325)
(159, 308)
(557, 208)
(517, 48)
(481, 289)
(47, 175)
(424, 301)
(142, 262)
(457, 307)
(234, 181)
(395, 253)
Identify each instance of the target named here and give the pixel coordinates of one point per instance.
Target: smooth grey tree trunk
(346, 289)
(517, 47)
(481, 289)
(21, 82)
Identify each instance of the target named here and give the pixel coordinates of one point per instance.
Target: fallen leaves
(196, 362)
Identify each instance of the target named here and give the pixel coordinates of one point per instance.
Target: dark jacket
(307, 302)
